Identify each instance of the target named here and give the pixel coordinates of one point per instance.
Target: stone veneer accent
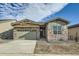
(51, 36)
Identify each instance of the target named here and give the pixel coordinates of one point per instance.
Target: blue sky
(70, 12)
(40, 12)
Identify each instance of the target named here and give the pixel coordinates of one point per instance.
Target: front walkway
(18, 47)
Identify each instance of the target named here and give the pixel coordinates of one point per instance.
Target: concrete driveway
(18, 47)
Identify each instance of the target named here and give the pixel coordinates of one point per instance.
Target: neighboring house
(73, 31)
(55, 29)
(6, 30)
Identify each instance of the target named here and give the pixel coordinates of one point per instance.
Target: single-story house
(73, 32)
(55, 29)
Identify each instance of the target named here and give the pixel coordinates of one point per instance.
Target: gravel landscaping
(60, 47)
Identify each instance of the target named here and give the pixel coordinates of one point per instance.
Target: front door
(42, 32)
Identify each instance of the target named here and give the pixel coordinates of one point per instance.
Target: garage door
(27, 35)
(31, 35)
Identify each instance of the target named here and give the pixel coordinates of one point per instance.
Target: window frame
(56, 30)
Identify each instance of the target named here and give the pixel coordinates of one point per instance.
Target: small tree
(76, 38)
(70, 37)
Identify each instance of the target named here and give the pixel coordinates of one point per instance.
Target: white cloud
(38, 11)
(34, 11)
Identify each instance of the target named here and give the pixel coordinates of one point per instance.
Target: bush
(61, 40)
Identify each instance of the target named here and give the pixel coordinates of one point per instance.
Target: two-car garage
(26, 33)
(26, 29)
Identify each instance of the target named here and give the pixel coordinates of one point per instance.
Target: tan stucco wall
(72, 32)
(51, 36)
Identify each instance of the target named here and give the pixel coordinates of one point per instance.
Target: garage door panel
(26, 35)
(31, 36)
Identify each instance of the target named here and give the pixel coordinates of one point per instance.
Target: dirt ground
(60, 47)
(24, 47)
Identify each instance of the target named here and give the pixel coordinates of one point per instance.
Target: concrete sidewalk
(18, 47)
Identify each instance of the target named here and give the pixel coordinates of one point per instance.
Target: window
(57, 29)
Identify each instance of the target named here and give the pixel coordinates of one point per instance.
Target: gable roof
(59, 19)
(39, 23)
(73, 26)
(27, 21)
